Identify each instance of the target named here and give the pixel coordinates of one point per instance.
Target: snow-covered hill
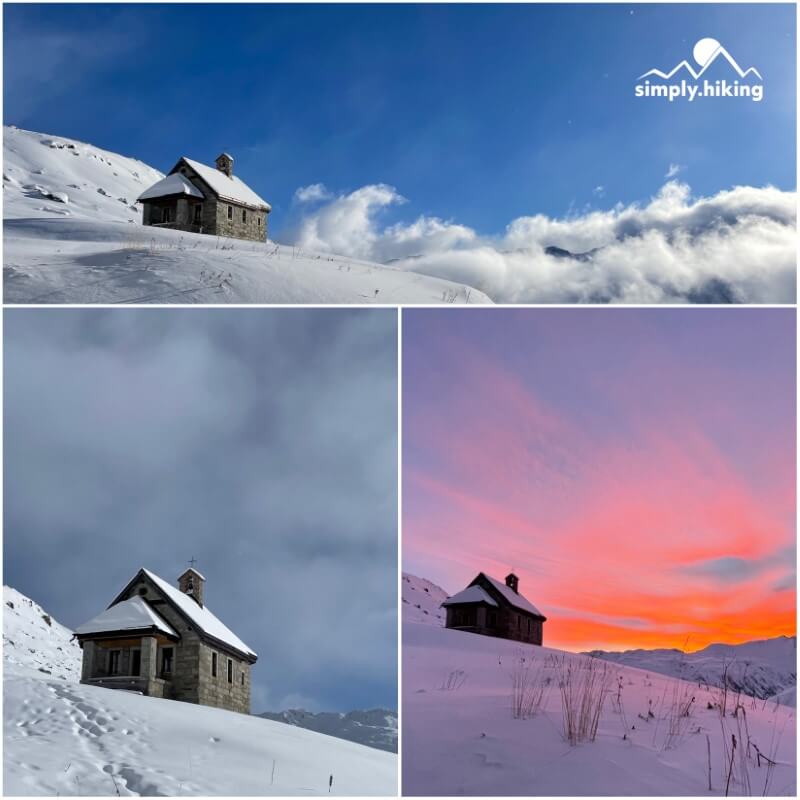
(62, 737)
(762, 668)
(422, 600)
(376, 727)
(466, 732)
(32, 639)
(73, 234)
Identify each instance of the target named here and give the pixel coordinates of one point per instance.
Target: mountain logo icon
(705, 53)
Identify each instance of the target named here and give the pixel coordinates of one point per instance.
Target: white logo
(706, 52)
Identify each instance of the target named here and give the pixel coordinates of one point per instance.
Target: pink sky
(634, 467)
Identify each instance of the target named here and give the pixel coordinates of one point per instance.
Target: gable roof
(171, 185)
(129, 615)
(207, 625)
(472, 594)
(224, 186)
(514, 599)
(202, 618)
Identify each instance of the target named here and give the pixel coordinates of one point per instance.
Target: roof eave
(470, 603)
(125, 633)
(176, 195)
(265, 207)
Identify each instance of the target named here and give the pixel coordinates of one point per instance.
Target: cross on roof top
(192, 562)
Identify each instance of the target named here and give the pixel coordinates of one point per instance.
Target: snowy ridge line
(375, 727)
(761, 669)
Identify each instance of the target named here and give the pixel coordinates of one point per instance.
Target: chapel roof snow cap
(514, 598)
(169, 186)
(202, 618)
(472, 594)
(226, 187)
(129, 615)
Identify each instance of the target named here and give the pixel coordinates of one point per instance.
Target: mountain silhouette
(720, 51)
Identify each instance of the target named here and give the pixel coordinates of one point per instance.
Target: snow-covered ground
(376, 727)
(72, 233)
(460, 736)
(422, 600)
(61, 737)
(762, 668)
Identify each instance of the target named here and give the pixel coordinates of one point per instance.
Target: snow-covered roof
(199, 615)
(228, 188)
(514, 598)
(472, 594)
(172, 184)
(128, 615)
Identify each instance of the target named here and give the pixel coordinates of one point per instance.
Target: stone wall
(244, 223)
(216, 690)
(191, 679)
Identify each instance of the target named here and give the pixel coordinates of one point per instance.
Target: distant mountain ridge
(376, 727)
(764, 669)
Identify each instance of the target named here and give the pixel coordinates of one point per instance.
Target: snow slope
(461, 738)
(762, 668)
(422, 600)
(61, 737)
(788, 697)
(32, 639)
(376, 727)
(72, 233)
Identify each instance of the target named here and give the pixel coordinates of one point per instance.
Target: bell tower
(224, 164)
(191, 583)
(512, 581)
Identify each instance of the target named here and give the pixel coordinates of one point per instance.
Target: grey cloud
(734, 569)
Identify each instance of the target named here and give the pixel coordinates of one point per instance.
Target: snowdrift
(466, 732)
(73, 234)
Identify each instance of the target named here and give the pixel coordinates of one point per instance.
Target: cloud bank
(736, 246)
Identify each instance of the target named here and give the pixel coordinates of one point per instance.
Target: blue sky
(475, 113)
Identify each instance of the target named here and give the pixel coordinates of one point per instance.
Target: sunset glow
(636, 468)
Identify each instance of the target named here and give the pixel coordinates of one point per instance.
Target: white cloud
(599, 191)
(673, 170)
(738, 245)
(312, 193)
